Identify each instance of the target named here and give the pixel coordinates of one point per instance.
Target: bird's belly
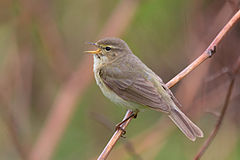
(109, 93)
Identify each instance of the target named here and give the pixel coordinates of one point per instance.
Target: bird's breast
(105, 90)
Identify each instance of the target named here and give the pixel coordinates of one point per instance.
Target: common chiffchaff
(127, 81)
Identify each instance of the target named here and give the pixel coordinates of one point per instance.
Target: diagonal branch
(225, 106)
(205, 55)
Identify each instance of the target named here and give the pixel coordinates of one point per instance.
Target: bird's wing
(134, 87)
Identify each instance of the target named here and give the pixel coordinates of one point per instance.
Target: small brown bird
(127, 81)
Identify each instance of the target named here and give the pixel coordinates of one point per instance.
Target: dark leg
(118, 126)
(135, 116)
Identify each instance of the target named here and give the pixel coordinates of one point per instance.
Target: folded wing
(134, 87)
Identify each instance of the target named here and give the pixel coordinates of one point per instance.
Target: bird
(127, 81)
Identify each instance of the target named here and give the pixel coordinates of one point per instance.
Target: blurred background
(51, 107)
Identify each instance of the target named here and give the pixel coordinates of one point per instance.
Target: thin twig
(110, 126)
(205, 55)
(225, 106)
(115, 138)
(198, 42)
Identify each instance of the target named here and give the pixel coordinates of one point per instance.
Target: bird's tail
(185, 124)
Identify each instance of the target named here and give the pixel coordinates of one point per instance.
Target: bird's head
(110, 48)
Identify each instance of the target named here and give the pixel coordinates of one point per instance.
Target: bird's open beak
(94, 52)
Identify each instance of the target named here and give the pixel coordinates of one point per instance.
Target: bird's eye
(108, 48)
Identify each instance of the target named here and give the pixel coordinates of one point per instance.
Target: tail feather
(185, 124)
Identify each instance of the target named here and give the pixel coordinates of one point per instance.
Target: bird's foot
(135, 116)
(118, 127)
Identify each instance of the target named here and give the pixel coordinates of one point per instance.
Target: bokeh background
(51, 107)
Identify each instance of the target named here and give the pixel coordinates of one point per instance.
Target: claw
(118, 127)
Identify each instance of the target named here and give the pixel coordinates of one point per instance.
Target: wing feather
(135, 88)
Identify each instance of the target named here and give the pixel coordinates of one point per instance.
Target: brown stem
(206, 54)
(109, 125)
(115, 138)
(225, 106)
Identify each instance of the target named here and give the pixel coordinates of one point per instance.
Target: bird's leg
(118, 126)
(135, 116)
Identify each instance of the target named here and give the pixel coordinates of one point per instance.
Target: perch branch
(127, 145)
(205, 55)
(225, 106)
